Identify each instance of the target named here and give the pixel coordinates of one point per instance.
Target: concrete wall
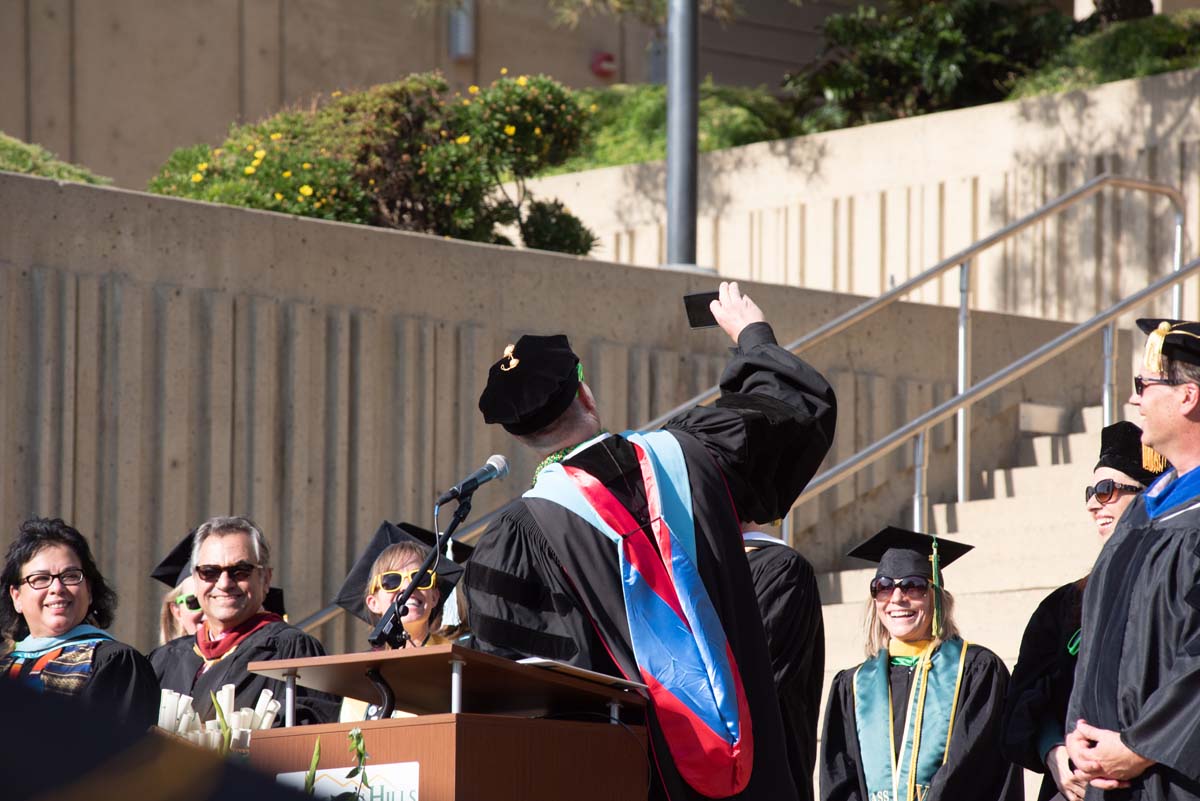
(167, 360)
(117, 85)
(863, 209)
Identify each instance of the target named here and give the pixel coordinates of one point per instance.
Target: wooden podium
(509, 739)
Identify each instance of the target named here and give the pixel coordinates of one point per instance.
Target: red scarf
(213, 650)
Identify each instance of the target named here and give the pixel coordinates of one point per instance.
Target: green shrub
(403, 155)
(630, 122)
(18, 156)
(549, 226)
(915, 57)
(1132, 49)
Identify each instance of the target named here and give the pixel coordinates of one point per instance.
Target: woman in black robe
(1036, 708)
(942, 696)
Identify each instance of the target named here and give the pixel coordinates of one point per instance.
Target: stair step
(1004, 518)
(1041, 418)
(1060, 449)
(1092, 417)
(1064, 481)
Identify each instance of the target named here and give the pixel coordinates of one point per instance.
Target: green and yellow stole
(932, 704)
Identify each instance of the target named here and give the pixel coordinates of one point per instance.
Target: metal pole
(289, 699)
(456, 671)
(785, 530)
(682, 90)
(963, 417)
(920, 469)
(1110, 374)
(1177, 292)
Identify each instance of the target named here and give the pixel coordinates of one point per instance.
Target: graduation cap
(352, 595)
(900, 552)
(532, 385)
(1178, 340)
(1121, 449)
(177, 566)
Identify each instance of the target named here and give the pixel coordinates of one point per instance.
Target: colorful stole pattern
(680, 646)
(928, 725)
(62, 666)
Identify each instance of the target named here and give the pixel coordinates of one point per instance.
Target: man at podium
(626, 556)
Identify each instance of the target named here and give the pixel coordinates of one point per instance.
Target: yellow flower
(371, 182)
(522, 81)
(306, 166)
(473, 89)
(462, 140)
(256, 163)
(306, 190)
(504, 70)
(279, 196)
(260, 154)
(537, 131)
(466, 102)
(197, 177)
(592, 108)
(249, 171)
(218, 152)
(202, 166)
(287, 173)
(300, 198)
(336, 93)
(275, 137)
(509, 130)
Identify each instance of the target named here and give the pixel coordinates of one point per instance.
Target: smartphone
(698, 312)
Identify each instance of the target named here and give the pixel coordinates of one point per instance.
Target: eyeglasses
(1140, 383)
(910, 587)
(190, 601)
(69, 577)
(210, 574)
(1106, 489)
(394, 580)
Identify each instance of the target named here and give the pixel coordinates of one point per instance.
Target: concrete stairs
(1031, 536)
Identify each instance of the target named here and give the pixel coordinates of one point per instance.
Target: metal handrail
(920, 427)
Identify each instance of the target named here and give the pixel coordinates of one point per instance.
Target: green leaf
(310, 778)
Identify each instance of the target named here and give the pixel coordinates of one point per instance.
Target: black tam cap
(1121, 449)
(532, 384)
(177, 565)
(352, 595)
(900, 552)
(1178, 340)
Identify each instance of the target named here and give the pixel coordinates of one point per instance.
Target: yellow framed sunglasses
(395, 580)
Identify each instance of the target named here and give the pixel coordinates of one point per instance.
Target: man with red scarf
(231, 566)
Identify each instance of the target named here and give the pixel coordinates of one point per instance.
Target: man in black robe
(544, 581)
(1133, 724)
(231, 565)
(786, 587)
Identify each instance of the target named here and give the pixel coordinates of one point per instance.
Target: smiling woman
(54, 607)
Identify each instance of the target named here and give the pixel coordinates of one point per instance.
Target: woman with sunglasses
(55, 608)
(181, 612)
(920, 719)
(1045, 672)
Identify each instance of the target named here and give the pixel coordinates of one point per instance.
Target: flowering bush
(406, 155)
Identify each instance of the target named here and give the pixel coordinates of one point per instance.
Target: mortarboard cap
(351, 596)
(1121, 449)
(900, 552)
(177, 565)
(532, 384)
(1178, 340)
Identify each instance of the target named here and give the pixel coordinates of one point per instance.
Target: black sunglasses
(1140, 383)
(238, 572)
(1106, 489)
(190, 601)
(910, 586)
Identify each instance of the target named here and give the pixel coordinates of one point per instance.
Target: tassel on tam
(1152, 460)
(1152, 358)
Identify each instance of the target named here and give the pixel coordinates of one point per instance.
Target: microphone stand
(390, 628)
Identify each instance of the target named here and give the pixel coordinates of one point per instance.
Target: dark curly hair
(39, 533)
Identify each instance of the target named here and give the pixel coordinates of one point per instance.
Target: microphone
(496, 467)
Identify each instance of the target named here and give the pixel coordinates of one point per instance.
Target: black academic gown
(786, 588)
(1041, 684)
(542, 582)
(974, 768)
(178, 667)
(1139, 660)
(123, 681)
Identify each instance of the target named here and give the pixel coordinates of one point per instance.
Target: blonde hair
(391, 558)
(877, 635)
(169, 626)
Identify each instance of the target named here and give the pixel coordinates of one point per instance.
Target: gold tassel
(1152, 460)
(1152, 359)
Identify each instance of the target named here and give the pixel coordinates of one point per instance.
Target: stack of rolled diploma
(175, 714)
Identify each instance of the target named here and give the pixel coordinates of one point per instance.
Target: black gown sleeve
(1035, 709)
(841, 766)
(974, 767)
(771, 427)
(312, 706)
(123, 684)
